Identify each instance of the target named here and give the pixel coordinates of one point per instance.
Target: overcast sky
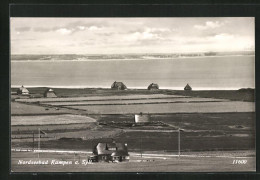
(130, 35)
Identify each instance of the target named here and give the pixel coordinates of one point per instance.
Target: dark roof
(49, 91)
(187, 87)
(153, 86)
(118, 85)
(109, 148)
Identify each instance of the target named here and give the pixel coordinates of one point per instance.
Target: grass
(54, 128)
(230, 122)
(205, 107)
(211, 130)
(236, 95)
(30, 109)
(201, 132)
(99, 98)
(67, 92)
(54, 119)
(206, 125)
(153, 141)
(134, 101)
(136, 164)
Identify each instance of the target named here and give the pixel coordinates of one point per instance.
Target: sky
(130, 35)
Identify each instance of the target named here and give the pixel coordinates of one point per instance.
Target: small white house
(23, 91)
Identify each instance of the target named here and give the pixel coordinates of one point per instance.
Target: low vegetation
(235, 95)
(205, 107)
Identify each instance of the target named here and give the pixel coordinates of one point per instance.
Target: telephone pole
(141, 147)
(179, 142)
(33, 141)
(39, 142)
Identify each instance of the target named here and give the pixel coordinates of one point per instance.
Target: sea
(201, 73)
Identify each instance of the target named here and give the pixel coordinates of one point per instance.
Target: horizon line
(130, 87)
(134, 53)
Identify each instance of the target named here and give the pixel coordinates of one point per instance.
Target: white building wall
(142, 118)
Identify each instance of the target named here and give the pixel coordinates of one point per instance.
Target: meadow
(135, 101)
(186, 163)
(202, 131)
(204, 107)
(78, 123)
(31, 109)
(50, 120)
(235, 95)
(99, 98)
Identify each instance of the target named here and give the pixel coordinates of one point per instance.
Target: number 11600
(236, 161)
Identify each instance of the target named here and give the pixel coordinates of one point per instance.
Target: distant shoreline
(129, 88)
(128, 59)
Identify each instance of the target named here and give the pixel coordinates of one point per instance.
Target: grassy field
(67, 92)
(34, 109)
(49, 120)
(237, 95)
(136, 101)
(201, 132)
(64, 136)
(136, 164)
(54, 128)
(153, 141)
(99, 98)
(206, 107)
(238, 122)
(210, 123)
(30, 109)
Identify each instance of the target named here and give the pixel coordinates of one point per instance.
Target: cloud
(152, 30)
(67, 29)
(81, 27)
(158, 30)
(41, 29)
(130, 34)
(141, 36)
(25, 39)
(94, 28)
(64, 31)
(107, 33)
(86, 24)
(153, 34)
(211, 39)
(222, 37)
(23, 29)
(209, 25)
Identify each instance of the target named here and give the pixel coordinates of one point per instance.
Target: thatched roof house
(49, 93)
(118, 86)
(153, 87)
(23, 91)
(111, 152)
(187, 88)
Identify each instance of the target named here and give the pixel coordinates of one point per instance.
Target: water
(227, 72)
